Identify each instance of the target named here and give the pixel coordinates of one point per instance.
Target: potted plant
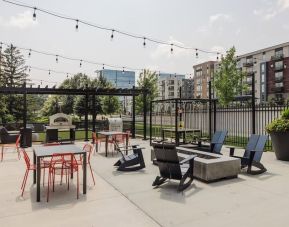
(279, 132)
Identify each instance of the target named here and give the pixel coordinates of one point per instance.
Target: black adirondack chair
(171, 168)
(216, 143)
(132, 162)
(253, 154)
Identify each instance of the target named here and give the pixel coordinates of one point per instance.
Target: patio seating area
(129, 199)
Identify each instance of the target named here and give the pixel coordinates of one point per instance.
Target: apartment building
(203, 73)
(270, 67)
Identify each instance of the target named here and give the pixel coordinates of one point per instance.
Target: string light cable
(80, 60)
(113, 31)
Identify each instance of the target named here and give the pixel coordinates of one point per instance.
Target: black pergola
(88, 91)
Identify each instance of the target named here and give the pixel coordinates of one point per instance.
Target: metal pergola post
(151, 121)
(133, 114)
(176, 123)
(145, 115)
(86, 115)
(253, 105)
(93, 113)
(210, 110)
(25, 107)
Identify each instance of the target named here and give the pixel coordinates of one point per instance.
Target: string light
(76, 26)
(80, 64)
(34, 14)
(49, 72)
(66, 75)
(144, 42)
(29, 54)
(101, 27)
(172, 49)
(1, 46)
(197, 54)
(57, 56)
(41, 82)
(111, 36)
(217, 56)
(122, 70)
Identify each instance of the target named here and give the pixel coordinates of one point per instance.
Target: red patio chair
(62, 164)
(88, 148)
(29, 167)
(13, 146)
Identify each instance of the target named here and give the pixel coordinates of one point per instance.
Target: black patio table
(180, 131)
(47, 151)
(108, 134)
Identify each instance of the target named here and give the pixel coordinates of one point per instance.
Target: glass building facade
(119, 78)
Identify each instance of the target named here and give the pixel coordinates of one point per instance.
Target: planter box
(280, 142)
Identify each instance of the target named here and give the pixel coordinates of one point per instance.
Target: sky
(214, 25)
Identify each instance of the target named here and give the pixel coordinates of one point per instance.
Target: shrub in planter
(279, 132)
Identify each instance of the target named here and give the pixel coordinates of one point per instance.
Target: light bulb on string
(217, 56)
(112, 36)
(29, 69)
(34, 14)
(49, 72)
(102, 66)
(1, 46)
(172, 48)
(197, 54)
(80, 64)
(56, 59)
(122, 70)
(76, 26)
(66, 75)
(41, 82)
(144, 42)
(29, 54)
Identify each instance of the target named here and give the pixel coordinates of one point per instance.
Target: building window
(279, 84)
(263, 78)
(263, 68)
(263, 88)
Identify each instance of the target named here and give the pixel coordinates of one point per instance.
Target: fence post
(253, 105)
(151, 121)
(176, 123)
(215, 115)
(210, 110)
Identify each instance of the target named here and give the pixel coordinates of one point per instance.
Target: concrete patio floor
(128, 199)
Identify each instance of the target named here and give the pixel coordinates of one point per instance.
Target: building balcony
(279, 79)
(248, 64)
(278, 89)
(277, 57)
(248, 92)
(279, 67)
(251, 73)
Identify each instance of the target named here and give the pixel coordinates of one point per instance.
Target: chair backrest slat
(260, 147)
(218, 141)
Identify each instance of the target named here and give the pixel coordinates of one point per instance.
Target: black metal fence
(240, 118)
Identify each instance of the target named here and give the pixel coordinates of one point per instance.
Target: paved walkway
(128, 199)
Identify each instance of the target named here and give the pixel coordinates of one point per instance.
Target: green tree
(147, 80)
(228, 78)
(111, 105)
(50, 106)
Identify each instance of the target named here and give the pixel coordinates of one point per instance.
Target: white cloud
(283, 4)
(22, 20)
(219, 17)
(273, 8)
(164, 51)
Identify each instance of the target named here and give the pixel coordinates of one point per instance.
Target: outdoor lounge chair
(253, 154)
(216, 143)
(171, 168)
(132, 162)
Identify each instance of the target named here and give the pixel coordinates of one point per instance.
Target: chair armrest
(187, 159)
